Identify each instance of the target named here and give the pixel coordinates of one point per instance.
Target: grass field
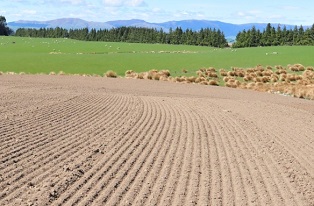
(38, 55)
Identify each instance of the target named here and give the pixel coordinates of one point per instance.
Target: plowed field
(70, 140)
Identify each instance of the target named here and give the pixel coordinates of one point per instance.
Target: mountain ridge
(229, 29)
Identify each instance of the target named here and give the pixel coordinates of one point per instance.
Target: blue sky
(231, 11)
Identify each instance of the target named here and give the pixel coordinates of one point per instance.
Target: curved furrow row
(62, 150)
(160, 176)
(240, 174)
(180, 194)
(205, 190)
(51, 137)
(128, 171)
(47, 162)
(91, 147)
(14, 107)
(287, 171)
(261, 171)
(228, 166)
(298, 149)
(145, 160)
(242, 168)
(109, 164)
(24, 127)
(136, 190)
(49, 125)
(193, 186)
(176, 171)
(264, 169)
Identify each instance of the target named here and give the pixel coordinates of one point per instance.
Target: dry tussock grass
(61, 73)
(110, 74)
(281, 80)
(296, 67)
(213, 83)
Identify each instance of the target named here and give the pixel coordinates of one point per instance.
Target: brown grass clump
(274, 79)
(291, 77)
(163, 78)
(52, 73)
(231, 73)
(250, 85)
(257, 79)
(281, 71)
(248, 77)
(226, 79)
(212, 74)
(199, 73)
(223, 73)
(191, 79)
(265, 79)
(237, 82)
(141, 75)
(259, 68)
(211, 69)
(184, 71)
(165, 73)
(213, 83)
(310, 68)
(197, 80)
(110, 74)
(202, 69)
(278, 67)
(241, 74)
(296, 67)
(259, 73)
(203, 83)
(180, 79)
(267, 73)
(156, 76)
(131, 74)
(1, 72)
(232, 85)
(61, 73)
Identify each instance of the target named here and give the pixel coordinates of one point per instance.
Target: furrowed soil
(71, 140)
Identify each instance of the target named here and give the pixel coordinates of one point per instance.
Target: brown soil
(70, 140)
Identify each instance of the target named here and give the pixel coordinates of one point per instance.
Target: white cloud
(74, 2)
(290, 8)
(119, 3)
(29, 12)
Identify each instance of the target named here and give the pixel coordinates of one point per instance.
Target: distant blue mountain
(230, 30)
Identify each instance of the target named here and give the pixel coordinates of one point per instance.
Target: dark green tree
(4, 29)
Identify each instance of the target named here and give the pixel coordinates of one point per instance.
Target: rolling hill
(230, 30)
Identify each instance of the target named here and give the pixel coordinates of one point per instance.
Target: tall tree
(4, 29)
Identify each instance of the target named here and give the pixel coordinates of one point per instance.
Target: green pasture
(39, 55)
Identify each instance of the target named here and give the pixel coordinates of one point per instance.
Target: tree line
(203, 37)
(253, 37)
(272, 36)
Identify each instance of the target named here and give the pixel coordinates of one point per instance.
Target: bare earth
(70, 140)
